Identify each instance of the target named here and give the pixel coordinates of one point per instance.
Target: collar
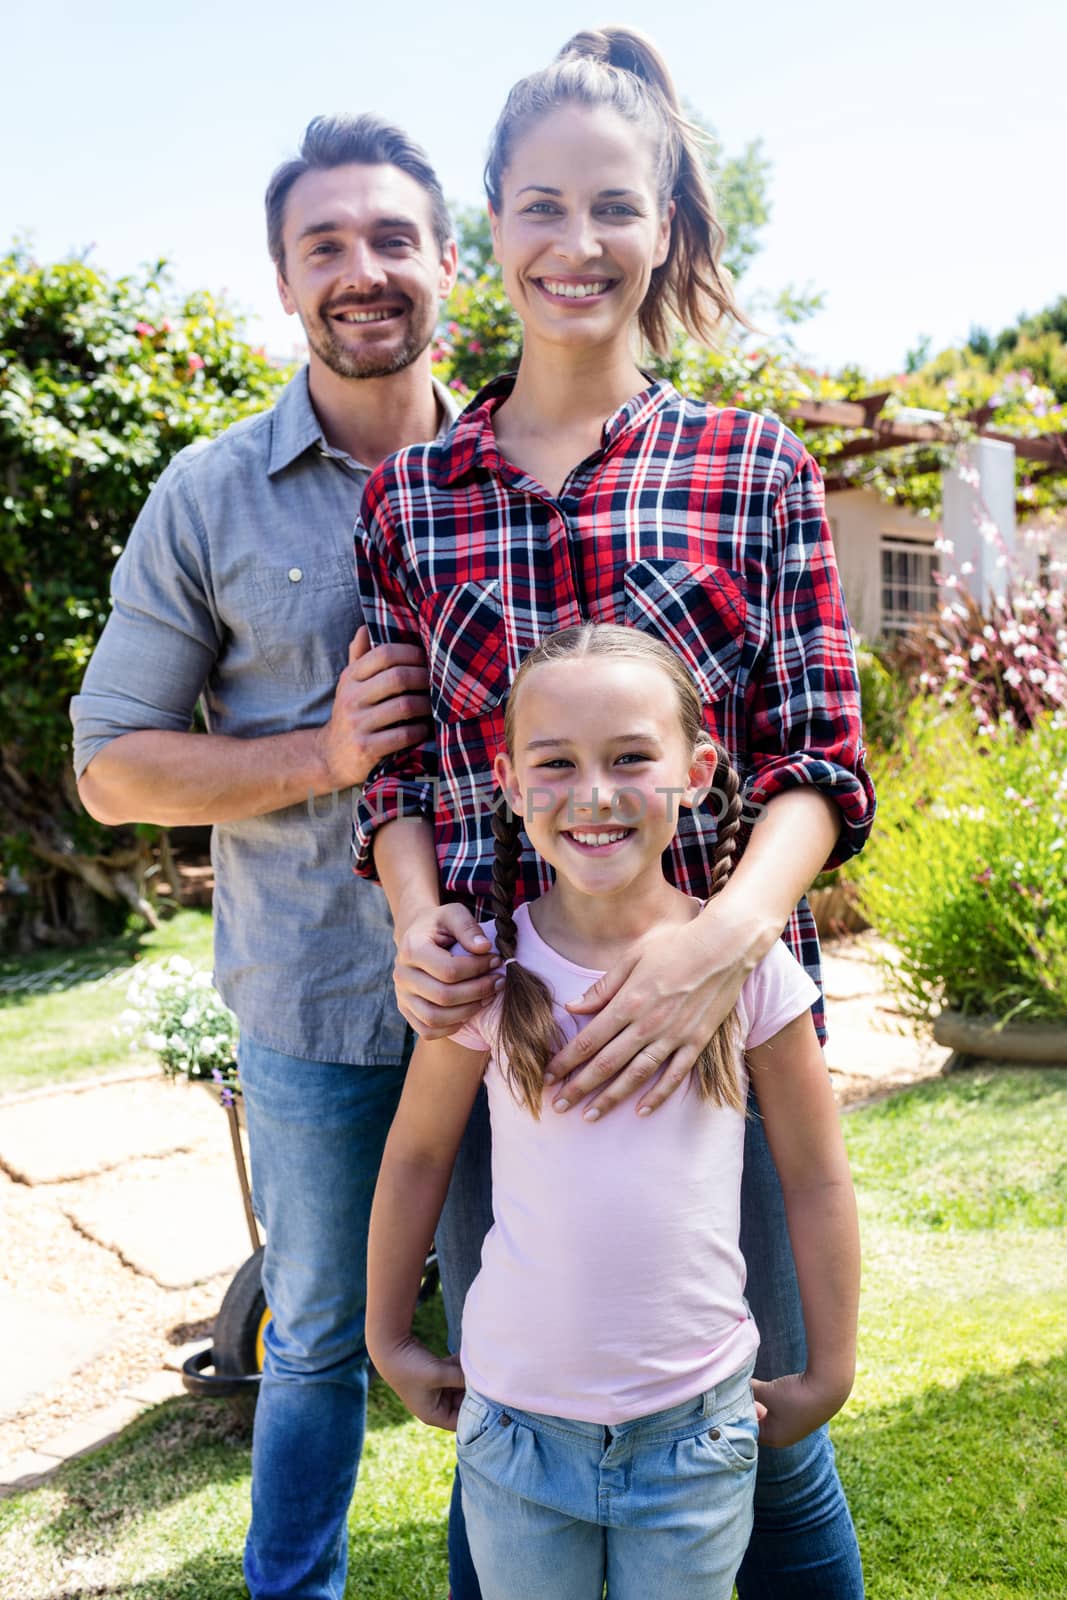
(472, 443)
(295, 427)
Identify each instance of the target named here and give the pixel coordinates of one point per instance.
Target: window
(909, 589)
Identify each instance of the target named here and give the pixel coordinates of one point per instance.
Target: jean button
(713, 1433)
(505, 1420)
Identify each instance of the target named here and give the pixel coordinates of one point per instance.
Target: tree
(102, 381)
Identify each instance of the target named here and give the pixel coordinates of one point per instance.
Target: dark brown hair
(528, 1031)
(366, 140)
(619, 67)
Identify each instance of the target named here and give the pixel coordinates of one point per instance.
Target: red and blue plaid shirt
(704, 527)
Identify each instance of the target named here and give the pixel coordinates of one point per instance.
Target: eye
(325, 247)
(543, 208)
(618, 209)
(399, 243)
(633, 756)
(555, 762)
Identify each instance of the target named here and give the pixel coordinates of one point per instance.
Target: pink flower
(144, 330)
(166, 326)
(195, 363)
(475, 346)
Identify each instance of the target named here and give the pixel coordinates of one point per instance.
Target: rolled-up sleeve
(404, 784)
(804, 705)
(163, 636)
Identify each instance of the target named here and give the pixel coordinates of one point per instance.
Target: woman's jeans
(316, 1132)
(803, 1544)
(658, 1506)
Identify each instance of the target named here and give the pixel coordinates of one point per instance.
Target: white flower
(1036, 675)
(180, 967)
(155, 1041)
(967, 567)
(202, 980)
(188, 1018)
(1013, 676)
(978, 651)
(207, 1047)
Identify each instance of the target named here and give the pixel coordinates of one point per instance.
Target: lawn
(951, 1449)
(58, 1011)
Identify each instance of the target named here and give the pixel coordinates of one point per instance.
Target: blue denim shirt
(237, 587)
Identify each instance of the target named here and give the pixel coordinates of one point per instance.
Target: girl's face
(580, 228)
(599, 767)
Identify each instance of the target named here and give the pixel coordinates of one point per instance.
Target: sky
(917, 150)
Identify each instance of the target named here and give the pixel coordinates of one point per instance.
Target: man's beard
(370, 364)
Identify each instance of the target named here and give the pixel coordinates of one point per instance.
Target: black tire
(238, 1331)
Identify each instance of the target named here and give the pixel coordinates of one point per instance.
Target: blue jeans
(803, 1544)
(658, 1506)
(316, 1131)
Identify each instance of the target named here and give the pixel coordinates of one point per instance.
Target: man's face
(362, 269)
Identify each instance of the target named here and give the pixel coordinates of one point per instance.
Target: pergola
(889, 433)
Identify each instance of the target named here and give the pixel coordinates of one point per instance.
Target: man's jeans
(316, 1131)
(803, 1544)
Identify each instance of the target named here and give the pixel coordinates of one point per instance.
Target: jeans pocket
(473, 1423)
(735, 1440)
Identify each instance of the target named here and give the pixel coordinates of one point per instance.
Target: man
(237, 586)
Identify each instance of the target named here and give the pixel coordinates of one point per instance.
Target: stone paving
(123, 1224)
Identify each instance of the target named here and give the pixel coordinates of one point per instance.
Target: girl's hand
(432, 1388)
(791, 1408)
(656, 1009)
(437, 991)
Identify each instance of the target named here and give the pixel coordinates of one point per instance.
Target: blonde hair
(528, 1032)
(619, 67)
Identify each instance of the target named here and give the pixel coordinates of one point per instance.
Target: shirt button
(295, 574)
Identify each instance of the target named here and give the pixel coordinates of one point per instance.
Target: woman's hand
(657, 1009)
(436, 990)
(792, 1407)
(432, 1388)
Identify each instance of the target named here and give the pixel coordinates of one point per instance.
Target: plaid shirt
(704, 527)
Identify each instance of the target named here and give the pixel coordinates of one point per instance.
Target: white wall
(858, 519)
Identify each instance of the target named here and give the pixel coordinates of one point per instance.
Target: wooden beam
(840, 413)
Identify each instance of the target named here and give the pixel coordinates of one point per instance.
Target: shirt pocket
(466, 649)
(699, 611)
(303, 618)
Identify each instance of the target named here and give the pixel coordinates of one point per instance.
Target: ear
(283, 294)
(663, 241)
(504, 773)
(449, 268)
(701, 775)
(494, 229)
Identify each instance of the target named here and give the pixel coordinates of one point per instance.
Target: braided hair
(528, 1033)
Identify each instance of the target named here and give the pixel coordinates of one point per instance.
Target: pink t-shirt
(611, 1283)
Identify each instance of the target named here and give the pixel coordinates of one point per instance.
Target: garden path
(122, 1225)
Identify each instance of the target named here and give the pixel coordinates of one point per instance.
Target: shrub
(102, 381)
(965, 871)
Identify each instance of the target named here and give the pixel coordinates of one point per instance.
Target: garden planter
(836, 911)
(1036, 1043)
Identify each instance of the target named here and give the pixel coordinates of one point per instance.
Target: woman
(579, 489)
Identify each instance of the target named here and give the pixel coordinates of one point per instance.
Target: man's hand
(656, 1009)
(431, 1388)
(790, 1408)
(380, 706)
(437, 991)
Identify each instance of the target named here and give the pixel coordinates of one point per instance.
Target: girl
(581, 489)
(608, 1430)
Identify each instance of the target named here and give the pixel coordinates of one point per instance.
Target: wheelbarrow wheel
(239, 1327)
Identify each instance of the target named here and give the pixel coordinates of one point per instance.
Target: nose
(577, 242)
(364, 272)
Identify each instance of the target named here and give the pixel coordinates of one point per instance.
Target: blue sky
(917, 149)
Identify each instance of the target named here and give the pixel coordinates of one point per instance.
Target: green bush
(966, 871)
(102, 381)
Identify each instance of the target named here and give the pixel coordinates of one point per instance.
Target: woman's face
(580, 228)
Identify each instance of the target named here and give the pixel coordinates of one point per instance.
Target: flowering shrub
(966, 871)
(176, 1012)
(1005, 663)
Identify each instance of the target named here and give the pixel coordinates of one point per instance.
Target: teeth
(574, 291)
(599, 838)
(364, 316)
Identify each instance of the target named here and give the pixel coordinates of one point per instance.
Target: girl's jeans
(803, 1544)
(658, 1506)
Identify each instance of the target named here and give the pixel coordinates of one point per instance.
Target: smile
(562, 290)
(382, 314)
(597, 841)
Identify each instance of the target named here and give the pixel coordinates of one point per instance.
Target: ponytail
(528, 1031)
(621, 68)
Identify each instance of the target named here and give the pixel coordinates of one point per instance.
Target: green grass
(58, 1011)
(951, 1449)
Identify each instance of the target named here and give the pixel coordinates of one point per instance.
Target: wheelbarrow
(231, 1368)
